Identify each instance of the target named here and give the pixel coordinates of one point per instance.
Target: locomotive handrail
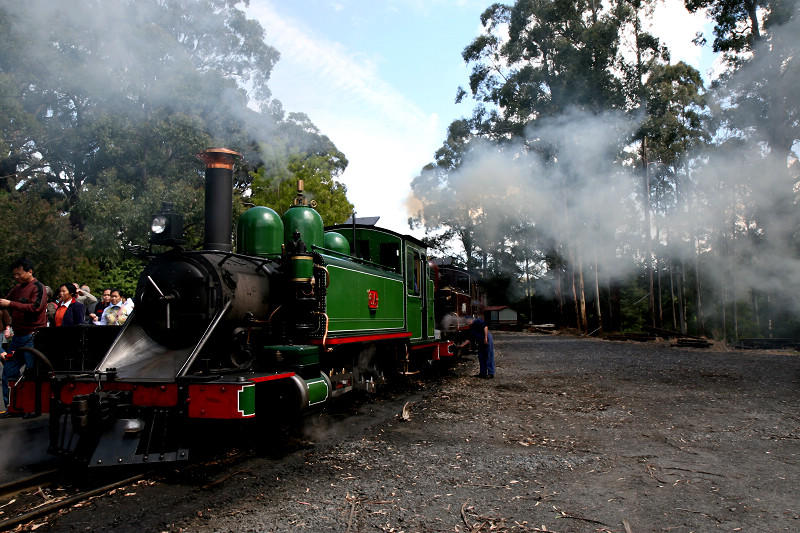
(327, 275)
(353, 258)
(164, 297)
(228, 255)
(200, 345)
(314, 247)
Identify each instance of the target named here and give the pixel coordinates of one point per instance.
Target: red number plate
(372, 299)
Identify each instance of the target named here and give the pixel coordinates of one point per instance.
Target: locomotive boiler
(296, 315)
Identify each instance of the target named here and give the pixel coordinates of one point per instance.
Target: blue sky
(379, 77)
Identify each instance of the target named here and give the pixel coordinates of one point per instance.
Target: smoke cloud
(188, 57)
(731, 206)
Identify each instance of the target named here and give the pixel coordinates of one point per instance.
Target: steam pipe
(219, 197)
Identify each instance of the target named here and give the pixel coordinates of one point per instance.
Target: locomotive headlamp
(166, 227)
(159, 224)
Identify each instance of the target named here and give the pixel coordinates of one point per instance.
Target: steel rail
(19, 485)
(66, 502)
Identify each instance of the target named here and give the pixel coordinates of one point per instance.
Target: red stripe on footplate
(272, 377)
(364, 338)
(419, 346)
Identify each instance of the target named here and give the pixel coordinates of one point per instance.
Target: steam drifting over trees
(631, 193)
(103, 106)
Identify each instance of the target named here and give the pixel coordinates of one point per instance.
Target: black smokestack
(219, 197)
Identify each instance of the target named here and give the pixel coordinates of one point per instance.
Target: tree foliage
(636, 182)
(303, 154)
(103, 108)
(30, 227)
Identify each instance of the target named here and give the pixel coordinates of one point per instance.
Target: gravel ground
(573, 435)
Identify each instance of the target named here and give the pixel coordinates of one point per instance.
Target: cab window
(390, 255)
(363, 249)
(413, 272)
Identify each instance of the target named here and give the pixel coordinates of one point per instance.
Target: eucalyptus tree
(557, 58)
(108, 103)
(676, 125)
(137, 87)
(759, 115)
(439, 201)
(300, 152)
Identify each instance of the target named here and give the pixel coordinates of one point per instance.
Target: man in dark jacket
(478, 333)
(27, 303)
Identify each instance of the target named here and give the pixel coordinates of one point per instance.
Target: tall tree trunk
(648, 236)
(735, 308)
(583, 325)
(682, 297)
(571, 257)
(659, 304)
(752, 13)
(769, 315)
(672, 297)
(756, 316)
(699, 319)
(724, 292)
(528, 286)
(597, 290)
(560, 294)
(681, 203)
(576, 303)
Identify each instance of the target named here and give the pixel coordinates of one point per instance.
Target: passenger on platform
(70, 311)
(5, 329)
(27, 303)
(5, 336)
(51, 304)
(128, 302)
(478, 333)
(116, 313)
(104, 302)
(85, 296)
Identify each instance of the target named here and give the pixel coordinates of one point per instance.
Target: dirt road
(573, 435)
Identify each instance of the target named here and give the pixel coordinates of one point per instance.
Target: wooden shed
(500, 317)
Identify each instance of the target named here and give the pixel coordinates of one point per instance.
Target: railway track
(25, 500)
(28, 499)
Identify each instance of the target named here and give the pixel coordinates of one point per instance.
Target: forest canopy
(104, 105)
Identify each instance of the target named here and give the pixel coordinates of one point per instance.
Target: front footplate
(120, 444)
(135, 437)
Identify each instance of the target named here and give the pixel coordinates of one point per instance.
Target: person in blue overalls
(478, 333)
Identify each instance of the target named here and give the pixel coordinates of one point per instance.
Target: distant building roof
(495, 307)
